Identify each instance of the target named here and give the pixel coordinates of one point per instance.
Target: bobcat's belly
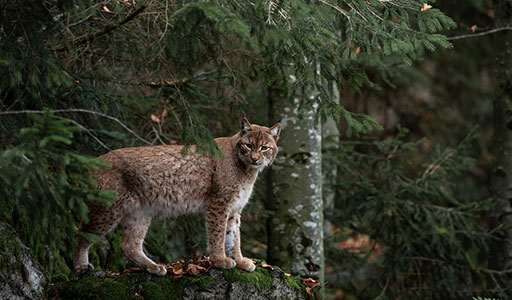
(175, 204)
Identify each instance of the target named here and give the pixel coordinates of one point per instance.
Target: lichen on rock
(20, 276)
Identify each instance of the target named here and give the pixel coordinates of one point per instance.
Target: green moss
(126, 287)
(260, 277)
(171, 288)
(295, 283)
(9, 245)
(90, 287)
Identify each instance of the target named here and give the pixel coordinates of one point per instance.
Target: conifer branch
(80, 110)
(107, 29)
(472, 35)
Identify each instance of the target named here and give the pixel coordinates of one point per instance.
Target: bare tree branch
(472, 35)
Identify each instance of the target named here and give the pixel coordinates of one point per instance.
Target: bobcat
(157, 180)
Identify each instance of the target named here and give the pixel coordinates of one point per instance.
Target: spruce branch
(80, 110)
(107, 29)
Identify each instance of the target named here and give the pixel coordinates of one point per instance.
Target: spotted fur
(151, 181)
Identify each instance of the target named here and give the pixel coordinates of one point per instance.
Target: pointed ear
(245, 126)
(275, 130)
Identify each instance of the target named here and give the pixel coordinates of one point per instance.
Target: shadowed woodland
(393, 175)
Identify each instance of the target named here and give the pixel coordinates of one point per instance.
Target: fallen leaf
(426, 7)
(310, 282)
(194, 269)
(473, 28)
(112, 273)
(266, 266)
(131, 270)
(204, 261)
(155, 119)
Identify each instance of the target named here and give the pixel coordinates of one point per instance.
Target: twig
(155, 84)
(80, 110)
(382, 293)
(105, 30)
(472, 35)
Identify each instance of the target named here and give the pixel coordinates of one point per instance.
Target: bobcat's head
(257, 145)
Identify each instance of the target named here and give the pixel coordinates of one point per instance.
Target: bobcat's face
(257, 145)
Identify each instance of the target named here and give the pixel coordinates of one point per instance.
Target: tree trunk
(501, 178)
(295, 227)
(330, 143)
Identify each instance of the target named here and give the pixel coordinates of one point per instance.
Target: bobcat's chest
(243, 196)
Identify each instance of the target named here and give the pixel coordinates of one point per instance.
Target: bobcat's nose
(255, 160)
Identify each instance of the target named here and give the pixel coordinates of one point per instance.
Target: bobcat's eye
(249, 146)
(264, 148)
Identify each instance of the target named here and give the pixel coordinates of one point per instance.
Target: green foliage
(45, 186)
(431, 242)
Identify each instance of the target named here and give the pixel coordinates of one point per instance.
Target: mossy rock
(215, 284)
(20, 276)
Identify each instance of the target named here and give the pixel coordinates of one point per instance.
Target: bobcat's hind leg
(135, 227)
(99, 224)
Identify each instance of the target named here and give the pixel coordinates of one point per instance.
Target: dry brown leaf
(112, 273)
(164, 113)
(131, 270)
(310, 282)
(266, 266)
(193, 269)
(204, 261)
(426, 7)
(155, 119)
(358, 50)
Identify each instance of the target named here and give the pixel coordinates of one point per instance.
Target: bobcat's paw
(157, 269)
(84, 268)
(245, 264)
(223, 262)
(88, 270)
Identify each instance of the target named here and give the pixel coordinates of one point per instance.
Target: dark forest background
(392, 180)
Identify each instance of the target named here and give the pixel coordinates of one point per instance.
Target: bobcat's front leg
(216, 221)
(233, 243)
